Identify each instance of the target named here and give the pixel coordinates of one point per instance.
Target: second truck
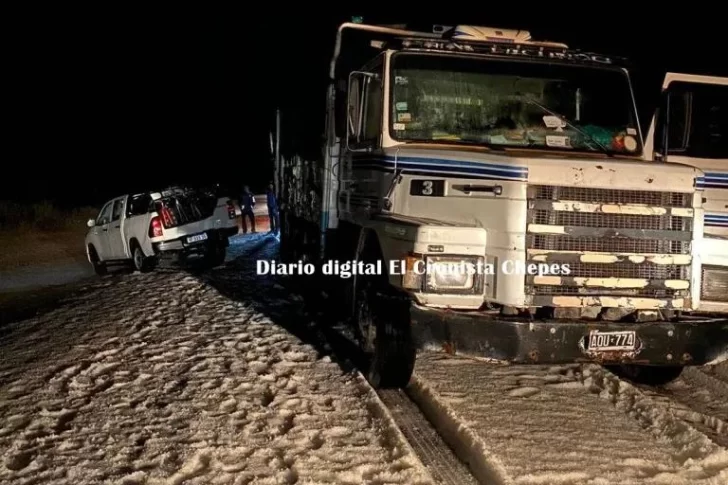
(472, 147)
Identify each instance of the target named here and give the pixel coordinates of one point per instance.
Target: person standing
(247, 204)
(273, 214)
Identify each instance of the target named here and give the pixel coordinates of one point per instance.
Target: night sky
(121, 101)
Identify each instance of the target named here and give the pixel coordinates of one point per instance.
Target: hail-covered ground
(166, 378)
(222, 377)
(575, 424)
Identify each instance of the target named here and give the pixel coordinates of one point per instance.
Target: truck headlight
(453, 274)
(714, 285)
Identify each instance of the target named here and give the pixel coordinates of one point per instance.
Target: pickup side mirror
(91, 223)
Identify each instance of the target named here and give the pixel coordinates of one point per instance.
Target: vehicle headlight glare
(451, 273)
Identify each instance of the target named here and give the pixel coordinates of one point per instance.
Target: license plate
(612, 341)
(197, 238)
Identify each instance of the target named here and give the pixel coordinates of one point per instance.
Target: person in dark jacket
(247, 204)
(273, 214)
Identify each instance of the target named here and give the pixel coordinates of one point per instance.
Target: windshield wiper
(461, 141)
(568, 122)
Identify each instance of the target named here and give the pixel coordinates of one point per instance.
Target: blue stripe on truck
(442, 167)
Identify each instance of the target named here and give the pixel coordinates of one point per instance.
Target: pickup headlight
(714, 284)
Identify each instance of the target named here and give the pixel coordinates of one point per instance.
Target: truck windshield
(512, 103)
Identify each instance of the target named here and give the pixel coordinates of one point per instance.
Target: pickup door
(115, 235)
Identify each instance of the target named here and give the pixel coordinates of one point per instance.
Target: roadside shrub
(42, 216)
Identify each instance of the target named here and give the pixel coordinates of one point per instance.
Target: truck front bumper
(688, 342)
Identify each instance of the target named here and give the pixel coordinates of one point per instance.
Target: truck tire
(648, 374)
(381, 321)
(386, 337)
(287, 238)
(98, 265)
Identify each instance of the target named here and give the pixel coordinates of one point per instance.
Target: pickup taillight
(155, 227)
(231, 209)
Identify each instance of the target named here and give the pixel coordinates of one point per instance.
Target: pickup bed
(143, 228)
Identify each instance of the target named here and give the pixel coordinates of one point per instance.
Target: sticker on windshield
(401, 106)
(558, 141)
(400, 80)
(630, 143)
(553, 122)
(398, 126)
(404, 117)
(631, 131)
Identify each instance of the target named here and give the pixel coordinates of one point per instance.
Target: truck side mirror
(91, 223)
(358, 82)
(340, 109)
(662, 130)
(353, 109)
(672, 130)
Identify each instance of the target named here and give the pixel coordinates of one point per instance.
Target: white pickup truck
(141, 228)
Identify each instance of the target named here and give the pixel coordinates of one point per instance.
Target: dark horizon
(129, 104)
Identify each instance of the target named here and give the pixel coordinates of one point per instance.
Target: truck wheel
(286, 244)
(647, 374)
(140, 261)
(99, 266)
(383, 325)
(216, 255)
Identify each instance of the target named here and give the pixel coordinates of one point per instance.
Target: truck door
(364, 187)
(691, 128)
(114, 236)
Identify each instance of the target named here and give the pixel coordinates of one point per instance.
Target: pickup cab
(140, 229)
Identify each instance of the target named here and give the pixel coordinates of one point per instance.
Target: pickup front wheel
(99, 266)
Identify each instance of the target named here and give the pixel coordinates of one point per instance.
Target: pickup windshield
(512, 103)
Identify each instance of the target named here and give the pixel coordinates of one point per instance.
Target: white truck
(476, 147)
(177, 222)
(692, 122)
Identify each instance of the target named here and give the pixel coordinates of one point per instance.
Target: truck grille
(620, 245)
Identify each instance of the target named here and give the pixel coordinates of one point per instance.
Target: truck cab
(691, 128)
(500, 183)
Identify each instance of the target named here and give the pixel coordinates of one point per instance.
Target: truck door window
(118, 208)
(698, 120)
(104, 216)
